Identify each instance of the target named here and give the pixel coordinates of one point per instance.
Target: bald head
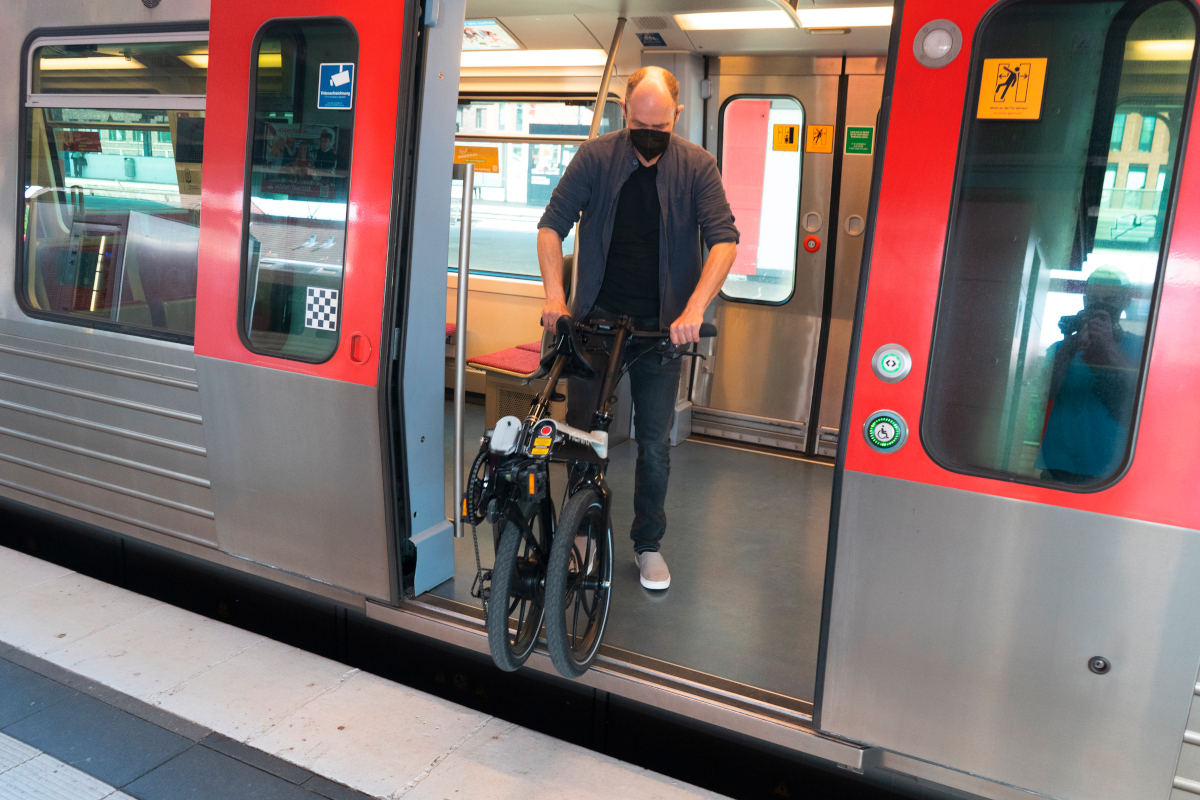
(651, 99)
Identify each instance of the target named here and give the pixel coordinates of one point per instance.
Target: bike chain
(478, 590)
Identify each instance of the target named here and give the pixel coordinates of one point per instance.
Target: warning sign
(485, 159)
(787, 137)
(819, 139)
(1012, 88)
(860, 140)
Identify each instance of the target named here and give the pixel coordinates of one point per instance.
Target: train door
(296, 237)
(798, 186)
(1011, 586)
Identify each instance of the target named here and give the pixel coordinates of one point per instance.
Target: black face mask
(650, 143)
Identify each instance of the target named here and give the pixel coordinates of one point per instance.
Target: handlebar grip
(707, 330)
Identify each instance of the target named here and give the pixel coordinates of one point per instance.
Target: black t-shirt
(631, 272)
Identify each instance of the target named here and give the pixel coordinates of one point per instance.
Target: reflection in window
(1055, 245)
(300, 171)
(509, 201)
(1118, 132)
(111, 230)
(760, 167)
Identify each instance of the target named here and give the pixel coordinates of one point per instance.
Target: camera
(1073, 323)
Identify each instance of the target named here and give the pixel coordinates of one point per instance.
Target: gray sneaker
(653, 569)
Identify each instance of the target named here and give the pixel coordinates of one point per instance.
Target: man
(1093, 376)
(646, 199)
(326, 157)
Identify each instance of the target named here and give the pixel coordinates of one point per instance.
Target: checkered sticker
(321, 309)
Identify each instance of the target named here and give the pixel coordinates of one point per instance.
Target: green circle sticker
(884, 432)
(891, 363)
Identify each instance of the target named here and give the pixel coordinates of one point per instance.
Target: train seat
(509, 385)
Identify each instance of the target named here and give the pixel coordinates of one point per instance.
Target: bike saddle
(579, 363)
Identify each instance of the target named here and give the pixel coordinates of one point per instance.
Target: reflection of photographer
(1093, 378)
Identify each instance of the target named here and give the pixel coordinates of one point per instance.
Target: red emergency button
(812, 244)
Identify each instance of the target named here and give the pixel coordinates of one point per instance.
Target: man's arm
(720, 258)
(550, 262)
(567, 201)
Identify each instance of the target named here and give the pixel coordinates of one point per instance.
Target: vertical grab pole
(467, 173)
(593, 130)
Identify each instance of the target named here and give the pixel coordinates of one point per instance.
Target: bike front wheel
(578, 583)
(517, 600)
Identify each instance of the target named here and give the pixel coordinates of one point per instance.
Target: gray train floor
(105, 693)
(746, 538)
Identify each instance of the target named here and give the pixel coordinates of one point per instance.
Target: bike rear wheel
(579, 584)
(517, 601)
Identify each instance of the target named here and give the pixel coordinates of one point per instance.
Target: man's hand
(552, 311)
(686, 329)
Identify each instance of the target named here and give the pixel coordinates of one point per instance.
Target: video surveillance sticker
(335, 88)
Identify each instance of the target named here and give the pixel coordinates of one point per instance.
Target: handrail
(466, 173)
(503, 138)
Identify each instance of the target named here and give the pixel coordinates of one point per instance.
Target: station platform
(105, 693)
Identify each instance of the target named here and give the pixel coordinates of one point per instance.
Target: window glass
(508, 203)
(299, 183)
(131, 68)
(1050, 268)
(760, 167)
(1118, 132)
(112, 214)
(1146, 140)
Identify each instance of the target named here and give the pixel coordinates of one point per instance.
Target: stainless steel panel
(655, 688)
(863, 97)
(776, 65)
(97, 426)
(424, 339)
(764, 361)
(98, 434)
(297, 473)
(962, 625)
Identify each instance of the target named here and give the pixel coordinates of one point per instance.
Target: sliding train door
(798, 185)
(1011, 585)
(300, 142)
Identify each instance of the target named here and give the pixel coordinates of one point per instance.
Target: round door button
(891, 363)
(885, 431)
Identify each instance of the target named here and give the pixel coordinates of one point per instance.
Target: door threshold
(766, 450)
(706, 698)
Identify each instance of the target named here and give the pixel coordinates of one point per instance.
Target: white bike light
(505, 436)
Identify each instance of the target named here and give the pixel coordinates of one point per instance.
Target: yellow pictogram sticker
(819, 139)
(787, 137)
(485, 159)
(1011, 88)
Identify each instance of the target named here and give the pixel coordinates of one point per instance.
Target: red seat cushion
(450, 329)
(533, 347)
(512, 359)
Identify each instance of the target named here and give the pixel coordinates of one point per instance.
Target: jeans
(654, 383)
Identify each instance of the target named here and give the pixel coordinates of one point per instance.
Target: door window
(761, 157)
(516, 174)
(296, 222)
(114, 145)
(1056, 242)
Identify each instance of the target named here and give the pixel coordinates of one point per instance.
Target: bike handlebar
(707, 330)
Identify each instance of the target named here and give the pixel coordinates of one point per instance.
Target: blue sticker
(651, 40)
(336, 87)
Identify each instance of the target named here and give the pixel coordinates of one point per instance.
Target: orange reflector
(464, 507)
(532, 484)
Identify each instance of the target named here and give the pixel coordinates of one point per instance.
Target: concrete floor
(746, 539)
(104, 690)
